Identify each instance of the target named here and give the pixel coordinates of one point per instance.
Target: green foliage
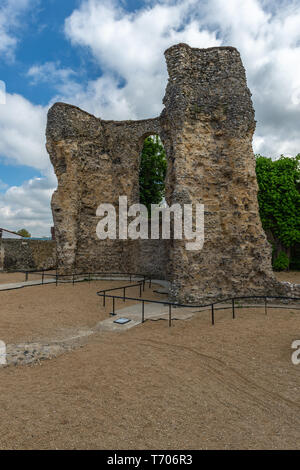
(153, 171)
(24, 233)
(279, 197)
(281, 263)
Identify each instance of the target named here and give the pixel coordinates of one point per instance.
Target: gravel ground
(290, 276)
(6, 278)
(192, 386)
(38, 312)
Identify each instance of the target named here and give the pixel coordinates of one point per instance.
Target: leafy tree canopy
(24, 233)
(279, 197)
(153, 171)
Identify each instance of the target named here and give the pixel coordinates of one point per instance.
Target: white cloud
(49, 72)
(22, 141)
(129, 48)
(22, 132)
(27, 206)
(10, 14)
(268, 36)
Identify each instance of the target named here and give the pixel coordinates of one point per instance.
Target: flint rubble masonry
(206, 127)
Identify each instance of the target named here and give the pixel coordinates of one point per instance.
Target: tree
(279, 198)
(24, 233)
(153, 171)
(281, 263)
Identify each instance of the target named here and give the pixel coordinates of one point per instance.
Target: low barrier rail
(141, 283)
(86, 275)
(210, 306)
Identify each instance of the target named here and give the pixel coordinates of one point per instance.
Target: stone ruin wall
(206, 127)
(95, 162)
(27, 255)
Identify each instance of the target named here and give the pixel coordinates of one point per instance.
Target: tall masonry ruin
(206, 128)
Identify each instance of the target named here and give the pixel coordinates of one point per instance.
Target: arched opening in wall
(153, 251)
(153, 170)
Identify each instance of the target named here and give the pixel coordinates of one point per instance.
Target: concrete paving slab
(19, 285)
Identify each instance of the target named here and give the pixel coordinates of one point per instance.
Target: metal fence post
(233, 310)
(143, 312)
(170, 315)
(212, 314)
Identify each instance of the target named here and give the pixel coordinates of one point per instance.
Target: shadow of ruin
(206, 127)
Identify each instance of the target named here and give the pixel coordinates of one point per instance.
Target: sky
(107, 58)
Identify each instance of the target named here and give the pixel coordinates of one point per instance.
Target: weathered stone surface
(27, 254)
(95, 162)
(206, 127)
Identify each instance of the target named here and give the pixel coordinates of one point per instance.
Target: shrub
(281, 263)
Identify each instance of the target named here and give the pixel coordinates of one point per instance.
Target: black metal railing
(89, 276)
(210, 306)
(141, 283)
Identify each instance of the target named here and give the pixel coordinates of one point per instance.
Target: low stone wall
(27, 255)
